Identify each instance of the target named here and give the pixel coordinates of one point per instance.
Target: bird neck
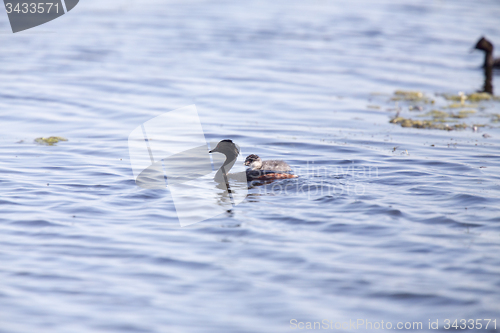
(229, 162)
(488, 59)
(227, 165)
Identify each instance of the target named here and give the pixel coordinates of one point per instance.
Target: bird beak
(211, 151)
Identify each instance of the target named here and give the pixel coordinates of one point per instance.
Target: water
(384, 222)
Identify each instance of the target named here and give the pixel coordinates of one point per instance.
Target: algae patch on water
(437, 114)
(411, 96)
(50, 141)
(449, 111)
(432, 124)
(471, 98)
(474, 97)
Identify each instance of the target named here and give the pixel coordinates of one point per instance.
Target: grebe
(486, 46)
(259, 170)
(255, 163)
(271, 169)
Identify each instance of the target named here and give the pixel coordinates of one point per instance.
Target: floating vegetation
(50, 141)
(474, 97)
(437, 114)
(460, 105)
(461, 97)
(478, 97)
(416, 109)
(432, 124)
(463, 113)
(449, 111)
(411, 96)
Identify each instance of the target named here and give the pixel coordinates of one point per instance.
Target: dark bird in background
(486, 46)
(490, 63)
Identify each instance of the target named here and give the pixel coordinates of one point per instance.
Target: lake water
(384, 222)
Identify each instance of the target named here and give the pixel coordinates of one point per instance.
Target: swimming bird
(255, 163)
(270, 169)
(486, 46)
(231, 151)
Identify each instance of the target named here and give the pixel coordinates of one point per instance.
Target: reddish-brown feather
(276, 176)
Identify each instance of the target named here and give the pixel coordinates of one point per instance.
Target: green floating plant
(474, 97)
(411, 96)
(431, 124)
(437, 114)
(50, 141)
(444, 116)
